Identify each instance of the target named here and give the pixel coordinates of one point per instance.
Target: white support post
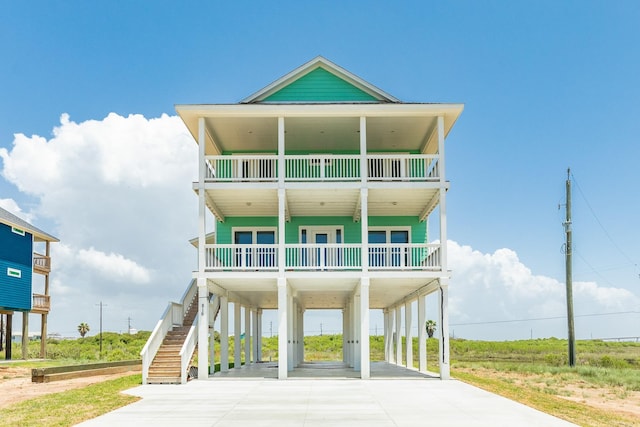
(237, 332)
(398, 336)
(391, 356)
(247, 336)
(346, 330)
(445, 369)
(407, 332)
(422, 334)
(282, 328)
(203, 329)
(254, 323)
(301, 336)
(224, 333)
(356, 329)
(259, 336)
(385, 333)
(202, 229)
(291, 337)
(365, 367)
(344, 336)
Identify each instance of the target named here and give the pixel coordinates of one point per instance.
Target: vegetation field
(602, 390)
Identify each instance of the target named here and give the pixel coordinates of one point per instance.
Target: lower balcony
(41, 304)
(323, 257)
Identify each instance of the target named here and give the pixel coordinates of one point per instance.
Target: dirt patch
(612, 399)
(16, 385)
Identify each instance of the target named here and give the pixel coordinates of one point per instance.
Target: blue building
(18, 263)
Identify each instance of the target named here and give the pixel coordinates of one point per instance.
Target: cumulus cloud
(12, 206)
(119, 193)
(497, 286)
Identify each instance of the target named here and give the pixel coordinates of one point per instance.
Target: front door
(321, 255)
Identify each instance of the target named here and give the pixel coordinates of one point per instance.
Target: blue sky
(546, 85)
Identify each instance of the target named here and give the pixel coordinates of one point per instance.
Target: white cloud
(118, 191)
(498, 286)
(114, 266)
(12, 206)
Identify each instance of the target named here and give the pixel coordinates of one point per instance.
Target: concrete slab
(390, 400)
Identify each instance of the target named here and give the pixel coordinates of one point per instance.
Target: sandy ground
(612, 399)
(16, 385)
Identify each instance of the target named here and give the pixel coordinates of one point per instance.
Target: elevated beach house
(18, 263)
(321, 187)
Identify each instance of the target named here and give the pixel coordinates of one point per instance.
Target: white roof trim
(318, 62)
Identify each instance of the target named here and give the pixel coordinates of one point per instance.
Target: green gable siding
(321, 86)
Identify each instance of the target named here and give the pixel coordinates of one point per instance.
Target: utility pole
(321, 329)
(101, 305)
(569, 276)
(129, 322)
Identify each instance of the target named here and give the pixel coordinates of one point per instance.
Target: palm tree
(431, 327)
(83, 328)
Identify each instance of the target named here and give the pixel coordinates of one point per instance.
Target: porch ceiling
(236, 200)
(319, 134)
(321, 293)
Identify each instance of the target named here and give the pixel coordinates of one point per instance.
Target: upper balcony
(41, 263)
(323, 167)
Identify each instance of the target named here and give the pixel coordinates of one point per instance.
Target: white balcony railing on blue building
(322, 167)
(320, 257)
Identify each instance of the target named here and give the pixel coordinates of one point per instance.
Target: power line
(543, 318)
(602, 226)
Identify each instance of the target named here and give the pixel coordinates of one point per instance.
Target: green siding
(351, 229)
(320, 85)
(223, 229)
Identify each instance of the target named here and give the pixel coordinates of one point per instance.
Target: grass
(533, 372)
(73, 406)
(574, 412)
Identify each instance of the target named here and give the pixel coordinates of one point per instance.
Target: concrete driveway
(304, 400)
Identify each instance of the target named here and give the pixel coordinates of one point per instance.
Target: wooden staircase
(165, 368)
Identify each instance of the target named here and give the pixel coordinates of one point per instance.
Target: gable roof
(11, 220)
(351, 87)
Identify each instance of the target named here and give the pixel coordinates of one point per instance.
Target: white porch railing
(241, 257)
(404, 256)
(322, 167)
(334, 256)
(317, 257)
(403, 167)
(242, 168)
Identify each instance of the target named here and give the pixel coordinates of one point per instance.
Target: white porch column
(407, 332)
(422, 334)
(203, 329)
(259, 335)
(254, 316)
(301, 336)
(445, 369)
(282, 328)
(398, 335)
(356, 329)
(344, 336)
(385, 334)
(224, 334)
(390, 336)
(237, 331)
(290, 333)
(365, 367)
(247, 336)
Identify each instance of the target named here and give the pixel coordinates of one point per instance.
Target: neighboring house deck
(321, 186)
(18, 263)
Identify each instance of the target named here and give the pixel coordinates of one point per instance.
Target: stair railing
(186, 352)
(173, 316)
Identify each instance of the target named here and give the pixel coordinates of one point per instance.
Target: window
(388, 247)
(256, 248)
